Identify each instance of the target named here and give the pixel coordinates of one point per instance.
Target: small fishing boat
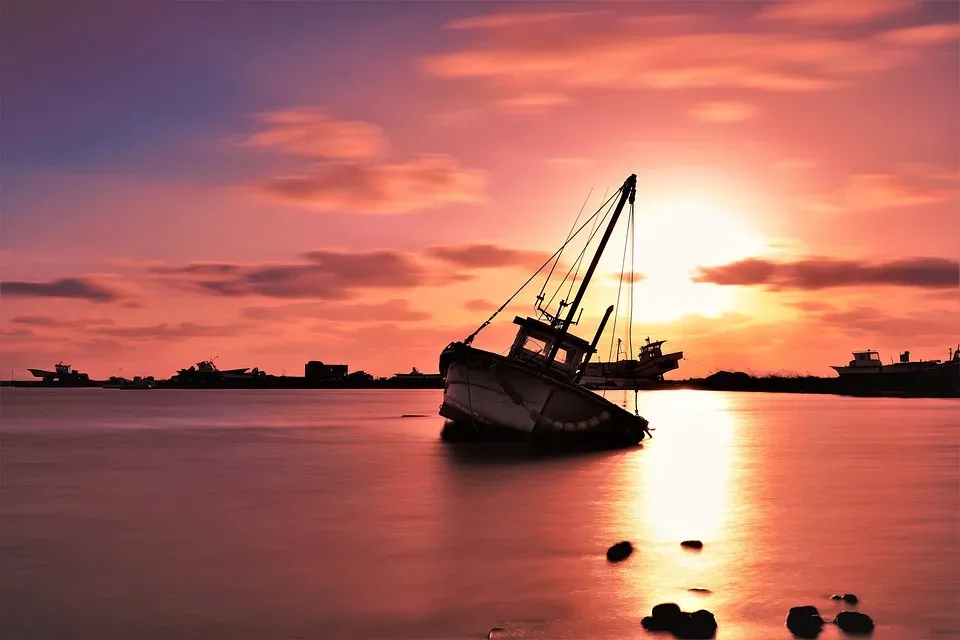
(647, 370)
(534, 393)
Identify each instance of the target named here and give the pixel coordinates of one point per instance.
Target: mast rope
(486, 323)
(557, 261)
(597, 225)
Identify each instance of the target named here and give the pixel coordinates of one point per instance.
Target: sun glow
(674, 236)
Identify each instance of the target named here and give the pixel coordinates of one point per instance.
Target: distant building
(316, 371)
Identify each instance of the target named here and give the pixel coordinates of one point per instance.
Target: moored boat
(534, 393)
(646, 370)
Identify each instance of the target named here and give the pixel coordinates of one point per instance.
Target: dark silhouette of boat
(63, 376)
(648, 368)
(533, 392)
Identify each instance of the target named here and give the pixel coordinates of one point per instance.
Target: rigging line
(579, 262)
(593, 232)
(572, 227)
(616, 312)
(487, 322)
(631, 228)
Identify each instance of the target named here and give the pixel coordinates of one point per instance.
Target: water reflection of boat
(650, 365)
(533, 392)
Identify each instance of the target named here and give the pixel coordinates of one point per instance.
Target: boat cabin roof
(535, 328)
(868, 353)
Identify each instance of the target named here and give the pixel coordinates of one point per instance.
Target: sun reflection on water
(685, 484)
(687, 481)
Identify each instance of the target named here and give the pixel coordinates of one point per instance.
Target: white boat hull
(493, 397)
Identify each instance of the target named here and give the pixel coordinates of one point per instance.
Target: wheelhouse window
(535, 346)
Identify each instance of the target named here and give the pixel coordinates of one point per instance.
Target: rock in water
(804, 622)
(836, 597)
(854, 622)
(698, 625)
(849, 598)
(620, 551)
(666, 610)
(691, 544)
(692, 626)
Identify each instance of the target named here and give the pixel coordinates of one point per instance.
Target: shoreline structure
(944, 382)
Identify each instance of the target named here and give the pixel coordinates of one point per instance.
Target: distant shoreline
(945, 384)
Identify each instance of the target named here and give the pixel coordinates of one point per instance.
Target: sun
(676, 234)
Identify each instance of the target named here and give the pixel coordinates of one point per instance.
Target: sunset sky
(364, 182)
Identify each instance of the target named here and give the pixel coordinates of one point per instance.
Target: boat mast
(627, 191)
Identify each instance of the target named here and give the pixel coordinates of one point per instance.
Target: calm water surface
(318, 514)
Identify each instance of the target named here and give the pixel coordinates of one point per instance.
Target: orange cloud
(833, 11)
(396, 310)
(729, 111)
(623, 58)
(880, 191)
(506, 20)
(311, 131)
(425, 181)
(927, 34)
(534, 102)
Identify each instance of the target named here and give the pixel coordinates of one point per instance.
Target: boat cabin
(535, 340)
(867, 358)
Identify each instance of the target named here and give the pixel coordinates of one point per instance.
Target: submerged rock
(620, 551)
(854, 622)
(691, 544)
(699, 590)
(804, 622)
(849, 598)
(495, 632)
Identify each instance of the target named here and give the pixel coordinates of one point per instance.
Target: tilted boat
(534, 392)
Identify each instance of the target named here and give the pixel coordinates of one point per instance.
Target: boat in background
(63, 376)
(116, 382)
(867, 375)
(534, 393)
(868, 362)
(646, 370)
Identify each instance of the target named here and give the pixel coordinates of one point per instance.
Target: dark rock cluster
(668, 617)
(691, 544)
(805, 622)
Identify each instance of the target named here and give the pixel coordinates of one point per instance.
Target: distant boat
(868, 363)
(866, 373)
(138, 382)
(648, 368)
(533, 393)
(62, 375)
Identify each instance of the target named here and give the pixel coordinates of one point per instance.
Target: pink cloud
(312, 132)
(724, 111)
(506, 20)
(426, 181)
(533, 102)
(815, 273)
(878, 191)
(622, 58)
(833, 11)
(91, 288)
